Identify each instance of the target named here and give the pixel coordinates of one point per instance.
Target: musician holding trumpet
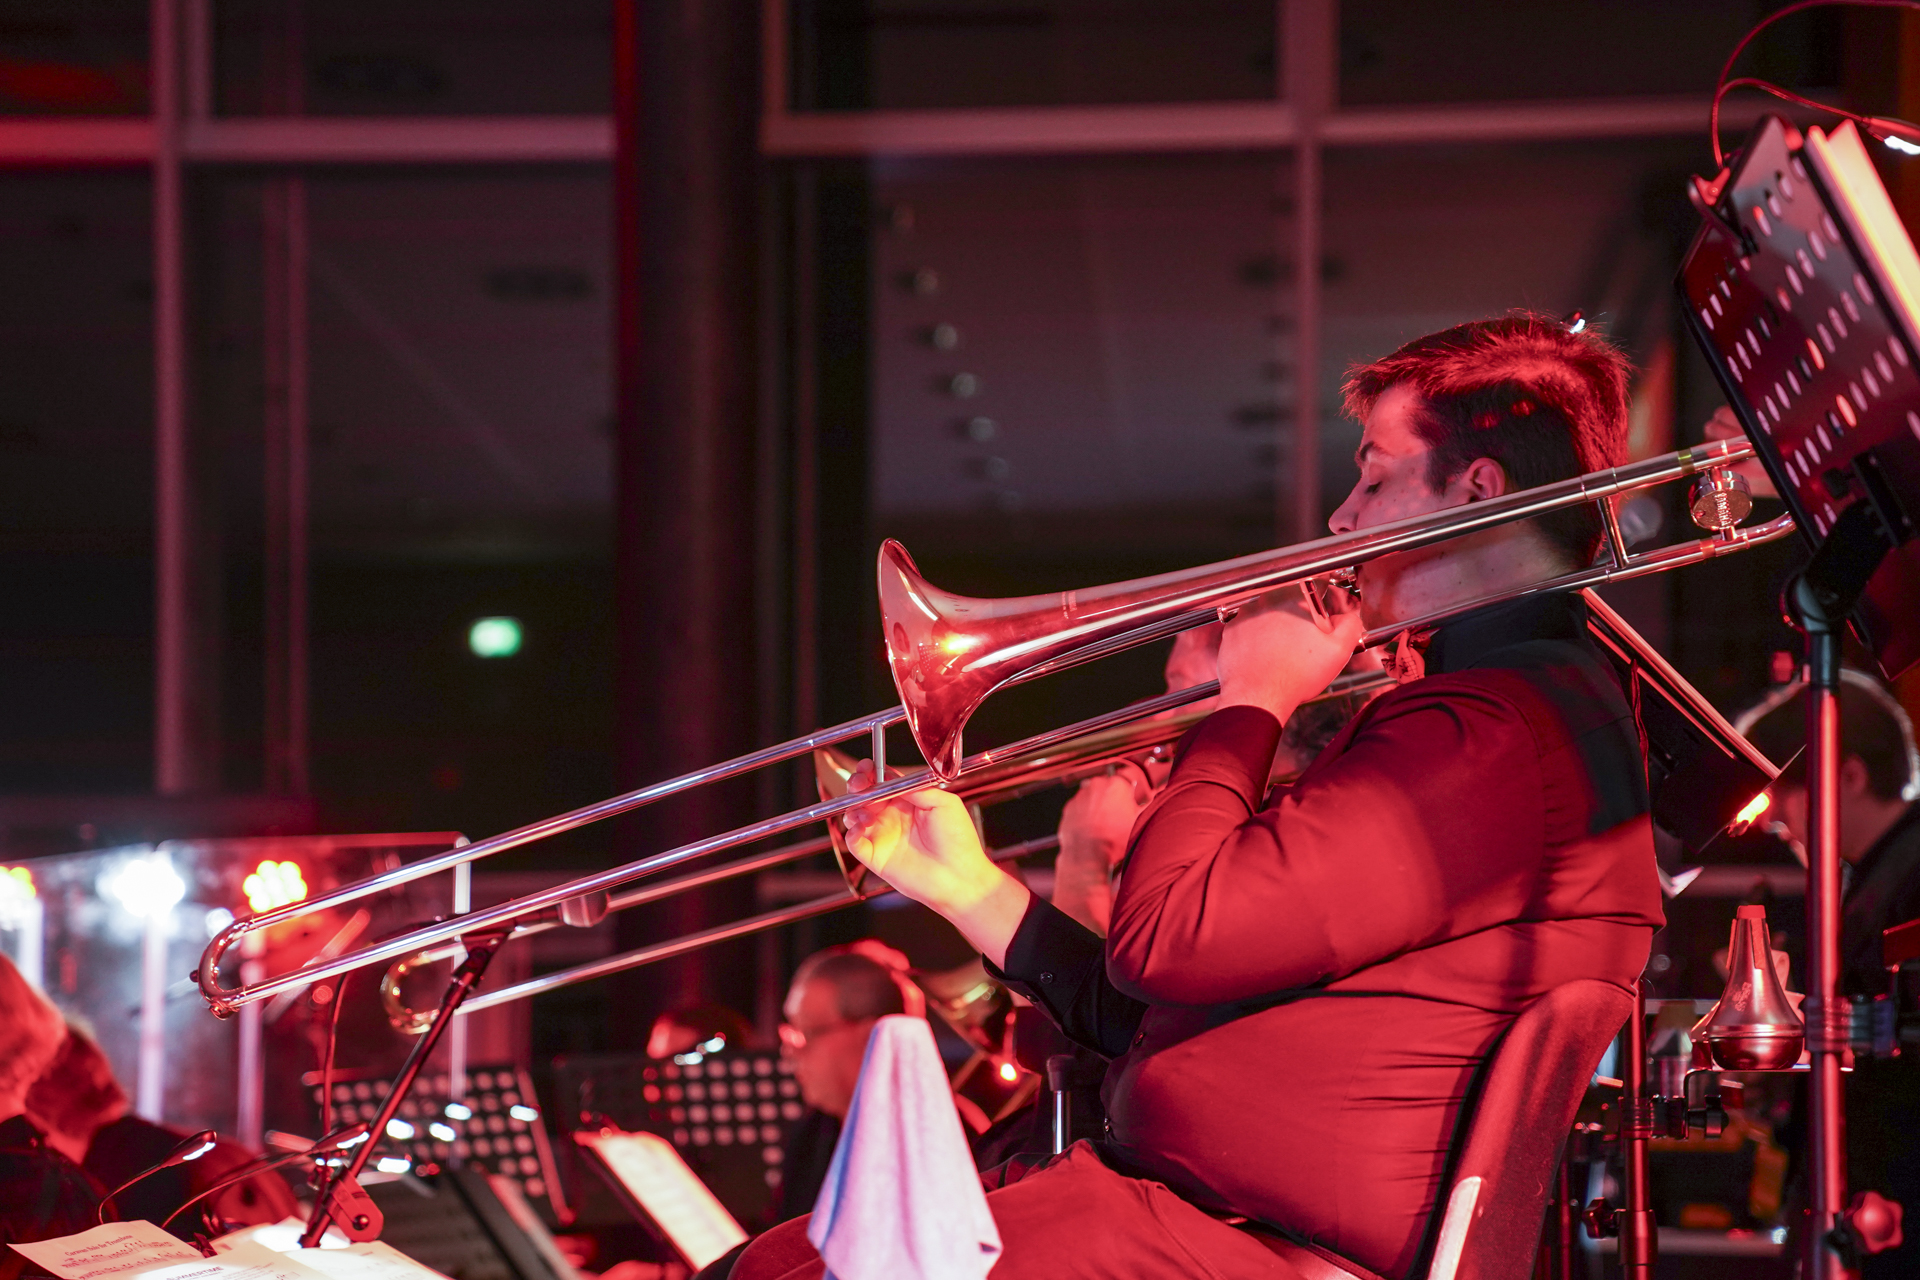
(1297, 986)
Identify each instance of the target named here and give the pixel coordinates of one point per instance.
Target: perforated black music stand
(1803, 289)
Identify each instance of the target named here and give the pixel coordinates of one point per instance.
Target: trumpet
(948, 653)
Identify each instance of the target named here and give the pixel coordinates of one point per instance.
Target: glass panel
(460, 413)
(462, 468)
(976, 53)
(1422, 238)
(1080, 374)
(76, 484)
(1494, 50)
(73, 57)
(427, 57)
(97, 917)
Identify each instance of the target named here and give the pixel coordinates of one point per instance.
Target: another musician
(835, 998)
(1296, 993)
(1880, 855)
(43, 1194)
(86, 1116)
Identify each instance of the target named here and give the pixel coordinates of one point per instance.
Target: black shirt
(43, 1195)
(1883, 890)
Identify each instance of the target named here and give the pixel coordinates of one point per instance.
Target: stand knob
(1870, 1225)
(1602, 1219)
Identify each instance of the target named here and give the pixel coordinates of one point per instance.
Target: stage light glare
(1901, 145)
(145, 886)
(17, 895)
(1750, 815)
(523, 1112)
(1009, 1072)
(218, 919)
(275, 884)
(398, 1128)
(444, 1132)
(393, 1164)
(459, 1111)
(494, 637)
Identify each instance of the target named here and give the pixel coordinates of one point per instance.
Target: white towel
(902, 1200)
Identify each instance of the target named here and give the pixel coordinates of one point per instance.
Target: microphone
(191, 1148)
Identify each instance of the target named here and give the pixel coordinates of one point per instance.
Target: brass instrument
(1005, 778)
(948, 653)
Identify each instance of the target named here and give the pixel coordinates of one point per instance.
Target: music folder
(657, 1186)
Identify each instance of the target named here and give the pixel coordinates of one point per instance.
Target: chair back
(1517, 1128)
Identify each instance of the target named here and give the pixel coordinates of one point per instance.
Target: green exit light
(495, 637)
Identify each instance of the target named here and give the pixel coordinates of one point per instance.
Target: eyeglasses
(795, 1039)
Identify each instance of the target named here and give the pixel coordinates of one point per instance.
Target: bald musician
(1297, 986)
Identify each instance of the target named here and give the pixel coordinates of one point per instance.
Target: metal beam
(1552, 120)
(1225, 126)
(30, 142)
(390, 140)
(1207, 126)
(27, 142)
(106, 141)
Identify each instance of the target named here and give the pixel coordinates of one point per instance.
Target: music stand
(1803, 290)
(658, 1188)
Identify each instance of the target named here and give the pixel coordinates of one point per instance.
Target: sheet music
(371, 1260)
(673, 1196)
(336, 1259)
(118, 1248)
(1856, 185)
(142, 1251)
(281, 1237)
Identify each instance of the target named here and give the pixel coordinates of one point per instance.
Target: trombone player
(1298, 986)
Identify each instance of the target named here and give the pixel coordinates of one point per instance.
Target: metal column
(284, 228)
(174, 753)
(1310, 54)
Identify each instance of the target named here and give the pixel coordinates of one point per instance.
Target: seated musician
(87, 1117)
(835, 998)
(1295, 993)
(43, 1194)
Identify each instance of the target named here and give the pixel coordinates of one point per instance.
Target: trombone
(948, 653)
(1006, 779)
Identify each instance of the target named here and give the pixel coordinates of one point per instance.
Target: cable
(1721, 84)
(326, 1065)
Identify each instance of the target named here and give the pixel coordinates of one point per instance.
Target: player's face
(1392, 486)
(1393, 468)
(824, 1049)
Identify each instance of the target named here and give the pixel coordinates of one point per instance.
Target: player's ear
(1481, 479)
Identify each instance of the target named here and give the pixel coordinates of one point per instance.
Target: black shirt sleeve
(1060, 965)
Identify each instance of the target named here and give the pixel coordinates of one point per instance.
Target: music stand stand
(1803, 290)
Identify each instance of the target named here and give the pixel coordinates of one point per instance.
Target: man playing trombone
(1297, 987)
